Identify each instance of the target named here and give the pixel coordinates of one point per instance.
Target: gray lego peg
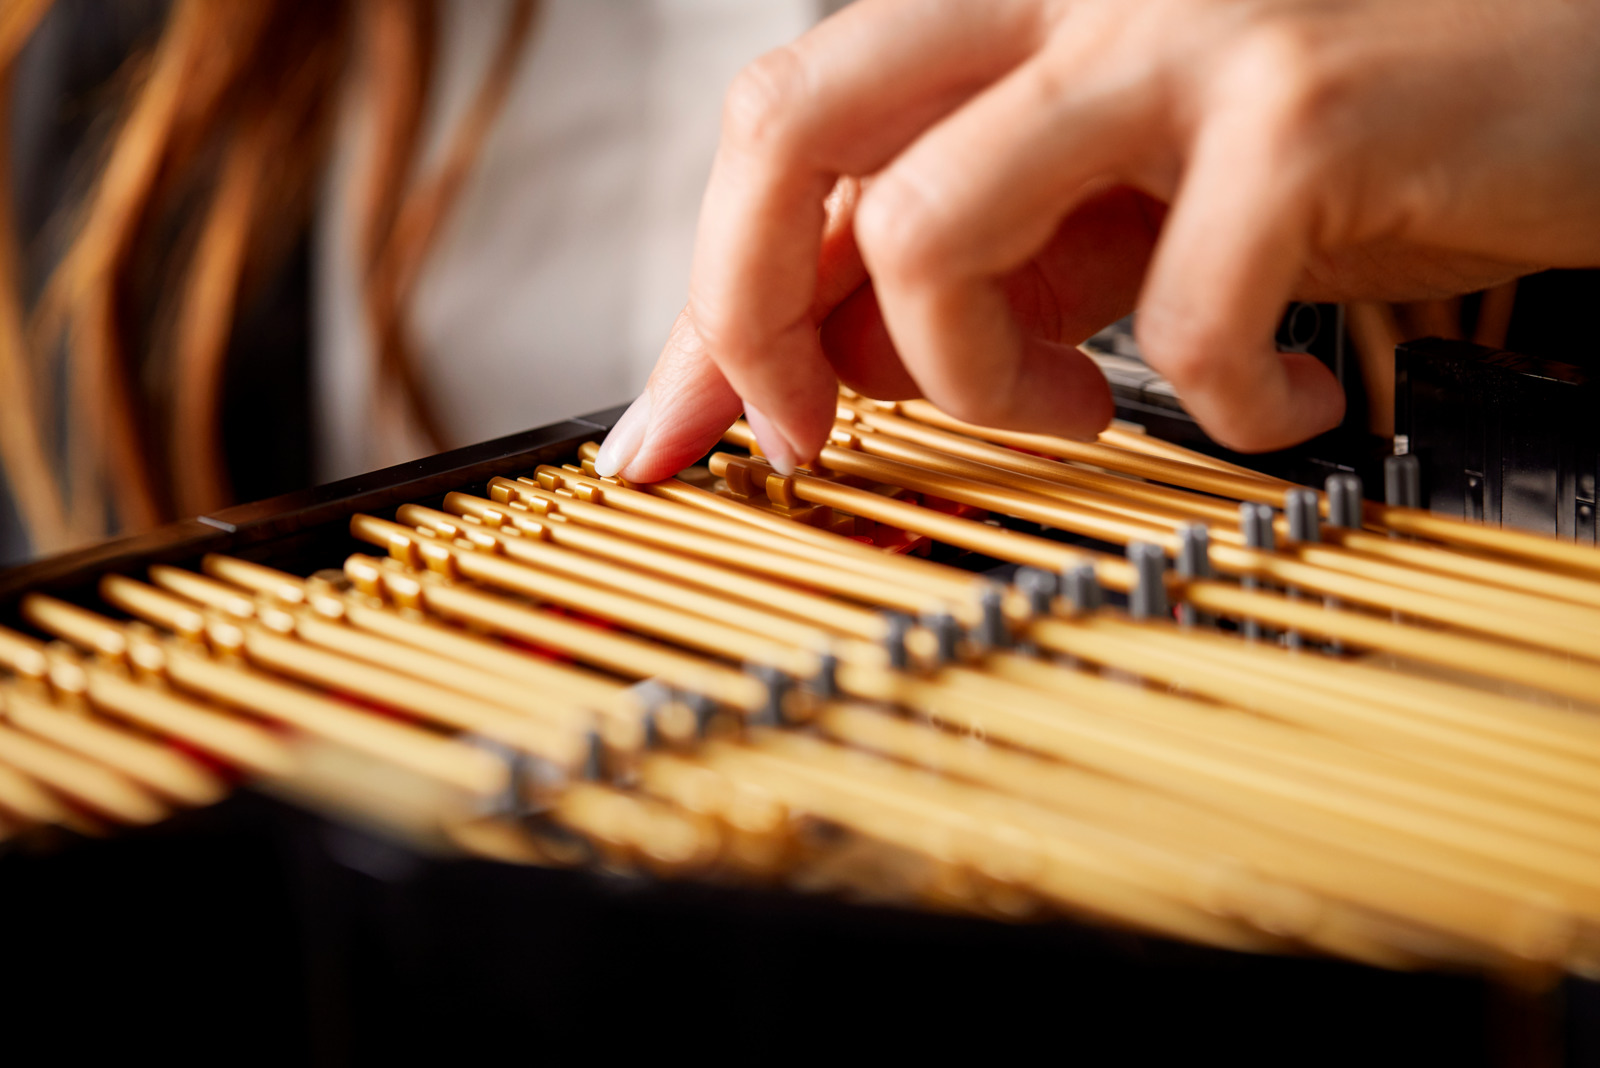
(1304, 513)
(1039, 587)
(1194, 551)
(1255, 523)
(894, 639)
(1305, 525)
(594, 761)
(1402, 481)
(825, 683)
(1148, 598)
(1344, 510)
(992, 630)
(777, 684)
(652, 695)
(946, 630)
(1081, 588)
(1194, 562)
(512, 800)
(702, 708)
(1344, 501)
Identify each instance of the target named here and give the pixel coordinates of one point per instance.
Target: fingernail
(622, 444)
(773, 444)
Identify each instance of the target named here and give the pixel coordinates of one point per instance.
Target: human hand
(1040, 167)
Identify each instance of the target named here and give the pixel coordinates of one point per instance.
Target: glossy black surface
(1504, 438)
(251, 933)
(306, 526)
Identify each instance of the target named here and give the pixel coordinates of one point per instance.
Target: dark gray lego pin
(652, 695)
(825, 683)
(946, 631)
(777, 685)
(1148, 598)
(1194, 562)
(1402, 481)
(897, 626)
(594, 758)
(1303, 510)
(512, 799)
(1194, 551)
(702, 708)
(1081, 589)
(1344, 510)
(1344, 500)
(1255, 523)
(992, 630)
(1039, 587)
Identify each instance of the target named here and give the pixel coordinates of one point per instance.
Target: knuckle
(1048, 83)
(718, 334)
(1190, 351)
(984, 400)
(978, 409)
(765, 98)
(1286, 70)
(1246, 436)
(897, 227)
(1277, 47)
(1181, 347)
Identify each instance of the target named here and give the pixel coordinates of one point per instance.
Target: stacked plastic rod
(1280, 720)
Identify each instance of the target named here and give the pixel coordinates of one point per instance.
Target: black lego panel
(1503, 438)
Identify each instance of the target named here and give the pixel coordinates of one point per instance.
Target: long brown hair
(207, 180)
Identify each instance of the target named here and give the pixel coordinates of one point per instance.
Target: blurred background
(255, 245)
(251, 245)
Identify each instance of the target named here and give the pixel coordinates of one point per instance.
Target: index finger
(844, 99)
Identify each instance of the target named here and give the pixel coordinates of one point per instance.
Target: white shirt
(566, 259)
